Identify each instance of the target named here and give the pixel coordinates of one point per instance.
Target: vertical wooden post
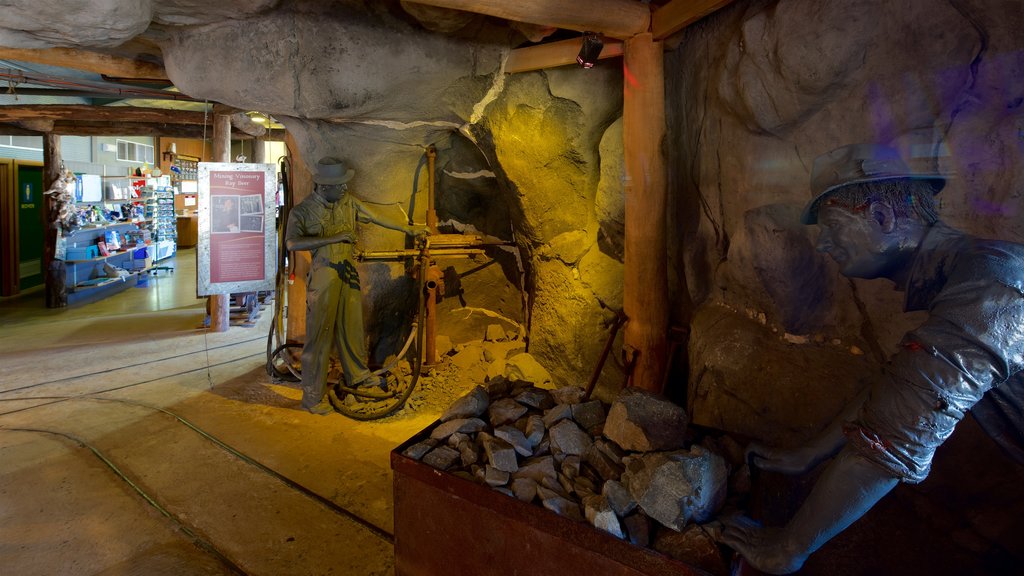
(645, 276)
(54, 271)
(259, 150)
(300, 185)
(220, 306)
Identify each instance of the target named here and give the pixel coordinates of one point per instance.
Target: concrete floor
(107, 385)
(118, 383)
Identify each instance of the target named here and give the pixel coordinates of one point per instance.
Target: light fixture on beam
(590, 51)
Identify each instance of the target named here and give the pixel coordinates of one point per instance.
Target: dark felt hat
(331, 170)
(857, 164)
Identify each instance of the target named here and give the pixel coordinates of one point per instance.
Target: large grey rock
(642, 421)
(601, 516)
(535, 430)
(494, 333)
(505, 411)
(524, 489)
(516, 438)
(463, 425)
(618, 497)
(442, 457)
(540, 470)
(638, 529)
(536, 398)
(416, 451)
(567, 438)
(471, 405)
(709, 474)
(500, 454)
(568, 395)
(526, 368)
(765, 394)
(495, 477)
(607, 468)
(679, 487)
(558, 502)
(589, 415)
(556, 413)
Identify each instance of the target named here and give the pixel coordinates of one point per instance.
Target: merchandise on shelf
(162, 223)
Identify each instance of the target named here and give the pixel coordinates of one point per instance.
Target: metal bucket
(446, 525)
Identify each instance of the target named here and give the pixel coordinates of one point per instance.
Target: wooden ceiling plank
(89, 61)
(155, 129)
(552, 54)
(678, 14)
(15, 113)
(616, 18)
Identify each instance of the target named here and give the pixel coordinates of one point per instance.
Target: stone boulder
(642, 421)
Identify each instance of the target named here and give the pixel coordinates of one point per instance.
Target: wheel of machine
(371, 403)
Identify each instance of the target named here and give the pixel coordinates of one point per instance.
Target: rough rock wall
(520, 160)
(780, 339)
(557, 146)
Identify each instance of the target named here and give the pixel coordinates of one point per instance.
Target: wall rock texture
(780, 340)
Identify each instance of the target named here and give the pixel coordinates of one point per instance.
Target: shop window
(26, 142)
(134, 152)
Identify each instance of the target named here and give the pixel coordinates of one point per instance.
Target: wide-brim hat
(331, 170)
(857, 164)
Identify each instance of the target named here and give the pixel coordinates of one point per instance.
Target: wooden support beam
(83, 112)
(89, 61)
(679, 14)
(300, 185)
(259, 150)
(615, 18)
(552, 54)
(645, 274)
(54, 271)
(187, 131)
(219, 304)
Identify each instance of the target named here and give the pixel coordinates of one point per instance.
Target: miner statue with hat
(878, 219)
(325, 224)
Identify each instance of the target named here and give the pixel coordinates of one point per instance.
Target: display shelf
(91, 284)
(86, 268)
(87, 294)
(107, 257)
(159, 211)
(86, 228)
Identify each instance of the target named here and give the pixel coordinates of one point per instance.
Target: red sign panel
(237, 247)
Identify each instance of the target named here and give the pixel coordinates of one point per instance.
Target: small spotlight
(590, 51)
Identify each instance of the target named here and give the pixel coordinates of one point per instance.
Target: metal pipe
(413, 253)
(434, 285)
(431, 210)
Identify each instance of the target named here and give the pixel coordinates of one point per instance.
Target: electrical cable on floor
(196, 539)
(126, 385)
(126, 366)
(330, 504)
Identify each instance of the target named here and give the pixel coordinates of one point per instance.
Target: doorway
(21, 221)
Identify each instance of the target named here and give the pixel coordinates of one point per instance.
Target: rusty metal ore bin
(446, 525)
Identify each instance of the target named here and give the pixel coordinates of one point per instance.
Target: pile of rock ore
(630, 469)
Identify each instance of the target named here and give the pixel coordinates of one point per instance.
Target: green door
(29, 188)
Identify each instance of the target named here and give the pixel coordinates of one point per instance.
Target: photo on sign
(224, 214)
(252, 223)
(252, 204)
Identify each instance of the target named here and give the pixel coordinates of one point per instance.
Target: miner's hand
(343, 237)
(418, 230)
